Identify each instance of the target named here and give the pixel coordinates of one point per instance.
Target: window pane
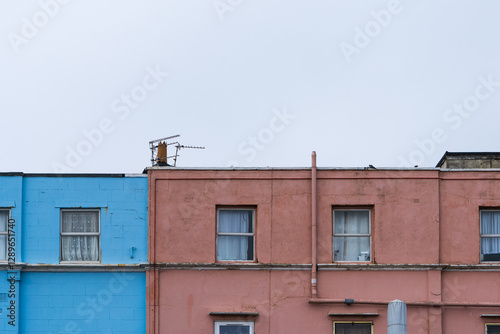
(492, 329)
(490, 222)
(490, 249)
(235, 221)
(351, 222)
(353, 328)
(351, 248)
(80, 221)
(3, 247)
(80, 248)
(234, 247)
(4, 218)
(234, 329)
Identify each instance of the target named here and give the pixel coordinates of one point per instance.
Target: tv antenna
(159, 155)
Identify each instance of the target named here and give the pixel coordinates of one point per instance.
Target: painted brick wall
(105, 303)
(123, 205)
(74, 302)
(9, 301)
(11, 197)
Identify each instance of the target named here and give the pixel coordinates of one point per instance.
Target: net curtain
(490, 224)
(4, 219)
(80, 247)
(234, 247)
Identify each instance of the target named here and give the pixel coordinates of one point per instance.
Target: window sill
(236, 261)
(352, 262)
(80, 262)
(353, 314)
(489, 262)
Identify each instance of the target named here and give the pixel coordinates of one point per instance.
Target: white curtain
(490, 224)
(80, 247)
(230, 245)
(4, 218)
(351, 248)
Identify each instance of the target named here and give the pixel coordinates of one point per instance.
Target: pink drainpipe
(314, 227)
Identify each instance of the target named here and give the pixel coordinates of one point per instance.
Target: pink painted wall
(462, 195)
(425, 223)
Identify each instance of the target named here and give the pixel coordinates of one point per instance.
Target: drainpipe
(152, 273)
(314, 228)
(409, 303)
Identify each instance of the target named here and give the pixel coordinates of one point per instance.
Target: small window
(344, 327)
(490, 235)
(234, 327)
(351, 235)
(492, 328)
(235, 234)
(80, 232)
(4, 233)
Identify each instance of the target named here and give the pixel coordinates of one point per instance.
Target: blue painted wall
(11, 197)
(53, 300)
(106, 303)
(123, 204)
(9, 301)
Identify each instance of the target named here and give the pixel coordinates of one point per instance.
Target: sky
(86, 85)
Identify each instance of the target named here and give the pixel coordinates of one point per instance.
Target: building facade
(322, 250)
(73, 252)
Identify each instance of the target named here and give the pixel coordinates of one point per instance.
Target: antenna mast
(159, 155)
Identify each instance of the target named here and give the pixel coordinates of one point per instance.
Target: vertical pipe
(314, 227)
(396, 317)
(151, 273)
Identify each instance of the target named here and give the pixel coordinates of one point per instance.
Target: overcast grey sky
(85, 85)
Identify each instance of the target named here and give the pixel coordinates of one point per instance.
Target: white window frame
(364, 209)
(481, 236)
(353, 322)
(6, 232)
(489, 324)
(98, 234)
(218, 324)
(236, 234)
